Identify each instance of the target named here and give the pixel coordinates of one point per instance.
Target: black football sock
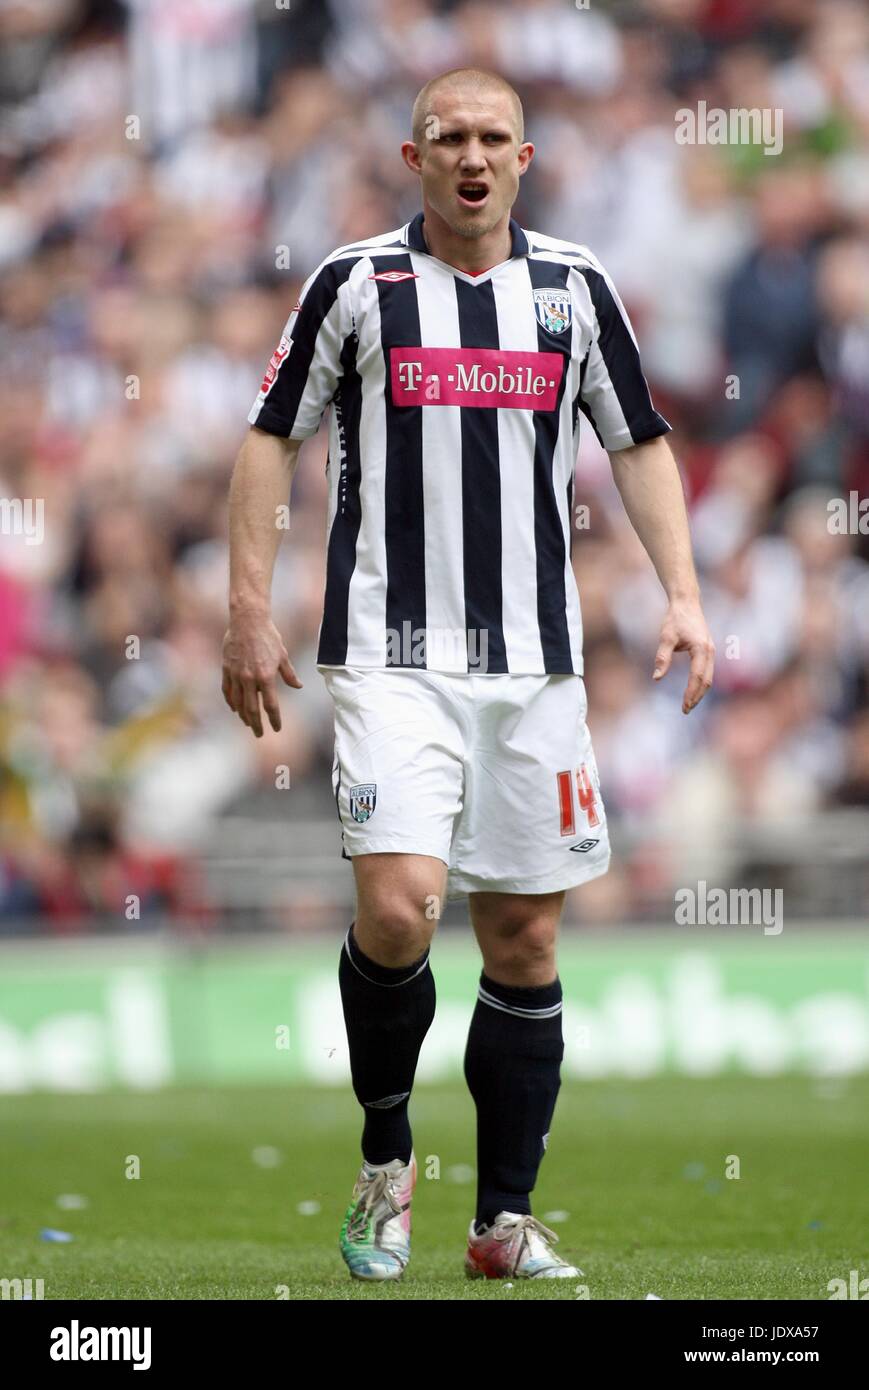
(387, 1013)
(513, 1070)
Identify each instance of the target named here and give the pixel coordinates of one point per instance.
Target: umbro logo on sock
(387, 1102)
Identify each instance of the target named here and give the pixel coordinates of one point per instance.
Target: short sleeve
(305, 367)
(614, 394)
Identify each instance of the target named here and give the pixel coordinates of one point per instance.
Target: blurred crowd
(172, 170)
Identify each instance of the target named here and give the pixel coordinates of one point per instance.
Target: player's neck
(472, 255)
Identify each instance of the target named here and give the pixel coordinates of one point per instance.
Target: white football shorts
(493, 774)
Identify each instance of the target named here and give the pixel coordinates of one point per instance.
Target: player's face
(471, 160)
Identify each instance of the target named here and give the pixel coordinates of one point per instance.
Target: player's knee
(396, 929)
(529, 950)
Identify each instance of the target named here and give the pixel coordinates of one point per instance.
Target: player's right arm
(300, 381)
(253, 650)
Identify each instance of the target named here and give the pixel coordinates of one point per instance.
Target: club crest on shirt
(363, 799)
(554, 309)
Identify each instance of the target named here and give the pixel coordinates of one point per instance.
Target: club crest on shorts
(363, 799)
(554, 309)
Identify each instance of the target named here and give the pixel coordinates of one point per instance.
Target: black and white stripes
(456, 400)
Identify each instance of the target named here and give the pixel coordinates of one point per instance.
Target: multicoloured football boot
(375, 1236)
(515, 1247)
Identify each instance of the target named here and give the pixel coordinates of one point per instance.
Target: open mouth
(472, 193)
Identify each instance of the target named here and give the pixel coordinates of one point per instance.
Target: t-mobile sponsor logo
(486, 377)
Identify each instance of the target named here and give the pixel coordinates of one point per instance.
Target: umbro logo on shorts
(584, 846)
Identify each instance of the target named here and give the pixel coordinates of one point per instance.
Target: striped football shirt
(456, 405)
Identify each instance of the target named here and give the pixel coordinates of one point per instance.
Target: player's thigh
(398, 773)
(534, 822)
(399, 782)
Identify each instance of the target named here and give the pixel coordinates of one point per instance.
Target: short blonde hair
(479, 80)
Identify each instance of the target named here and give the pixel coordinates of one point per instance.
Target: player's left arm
(648, 480)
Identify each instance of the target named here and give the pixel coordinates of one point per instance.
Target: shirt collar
(416, 241)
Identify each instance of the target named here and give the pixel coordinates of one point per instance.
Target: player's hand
(253, 656)
(684, 630)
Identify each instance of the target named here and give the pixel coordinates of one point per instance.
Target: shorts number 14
(585, 794)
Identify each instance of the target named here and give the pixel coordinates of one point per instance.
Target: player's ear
(526, 154)
(411, 156)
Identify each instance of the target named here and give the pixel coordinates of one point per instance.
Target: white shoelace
(378, 1187)
(531, 1229)
(503, 1230)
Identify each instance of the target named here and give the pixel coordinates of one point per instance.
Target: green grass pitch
(636, 1168)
